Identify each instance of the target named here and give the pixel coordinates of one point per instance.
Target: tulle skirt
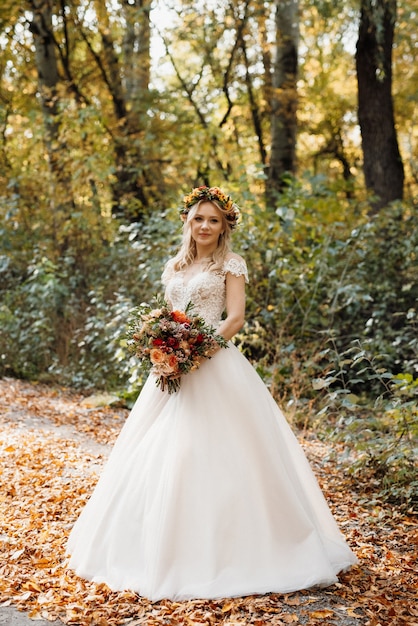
(208, 494)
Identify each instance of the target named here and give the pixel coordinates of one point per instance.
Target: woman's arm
(235, 310)
(235, 306)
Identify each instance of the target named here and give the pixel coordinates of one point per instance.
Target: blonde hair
(187, 253)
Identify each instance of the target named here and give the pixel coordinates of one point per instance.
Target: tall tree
(61, 199)
(284, 97)
(127, 79)
(383, 168)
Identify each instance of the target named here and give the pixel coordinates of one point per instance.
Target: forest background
(304, 112)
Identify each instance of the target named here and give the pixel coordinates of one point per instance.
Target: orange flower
(172, 361)
(157, 356)
(180, 317)
(168, 366)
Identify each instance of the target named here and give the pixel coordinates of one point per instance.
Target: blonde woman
(207, 493)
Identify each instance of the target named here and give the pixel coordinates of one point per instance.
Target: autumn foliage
(53, 444)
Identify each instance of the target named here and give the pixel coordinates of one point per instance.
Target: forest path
(53, 444)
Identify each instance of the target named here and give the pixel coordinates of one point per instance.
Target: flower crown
(228, 207)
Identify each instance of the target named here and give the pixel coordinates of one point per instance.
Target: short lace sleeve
(168, 272)
(237, 267)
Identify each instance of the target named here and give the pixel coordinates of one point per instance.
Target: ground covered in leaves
(53, 443)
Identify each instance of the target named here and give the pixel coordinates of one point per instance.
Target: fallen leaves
(321, 614)
(53, 444)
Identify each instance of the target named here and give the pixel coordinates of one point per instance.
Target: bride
(207, 493)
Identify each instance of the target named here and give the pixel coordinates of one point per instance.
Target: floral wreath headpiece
(228, 207)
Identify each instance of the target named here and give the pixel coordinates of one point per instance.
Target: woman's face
(207, 225)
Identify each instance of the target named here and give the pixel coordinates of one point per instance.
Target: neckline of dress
(186, 282)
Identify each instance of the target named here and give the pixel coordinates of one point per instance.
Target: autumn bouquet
(170, 343)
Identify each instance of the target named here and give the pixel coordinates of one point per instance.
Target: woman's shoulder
(236, 265)
(233, 255)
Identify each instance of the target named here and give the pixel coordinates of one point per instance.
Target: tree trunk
(136, 49)
(135, 186)
(284, 98)
(60, 194)
(383, 168)
(255, 111)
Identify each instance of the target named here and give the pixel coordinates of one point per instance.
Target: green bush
(380, 434)
(314, 285)
(63, 323)
(34, 320)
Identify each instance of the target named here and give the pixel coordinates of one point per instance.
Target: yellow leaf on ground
(31, 585)
(321, 614)
(290, 618)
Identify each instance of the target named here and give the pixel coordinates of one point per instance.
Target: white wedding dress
(207, 493)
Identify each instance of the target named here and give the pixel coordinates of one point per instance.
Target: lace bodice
(206, 290)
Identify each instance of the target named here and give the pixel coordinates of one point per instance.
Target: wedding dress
(207, 493)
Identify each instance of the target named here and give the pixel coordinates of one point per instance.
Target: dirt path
(54, 443)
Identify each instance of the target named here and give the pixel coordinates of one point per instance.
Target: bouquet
(171, 343)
